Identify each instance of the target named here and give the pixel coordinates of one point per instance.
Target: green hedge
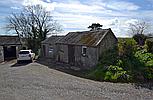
(128, 62)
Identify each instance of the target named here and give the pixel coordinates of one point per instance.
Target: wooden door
(71, 56)
(44, 50)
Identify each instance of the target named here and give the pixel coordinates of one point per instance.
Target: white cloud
(75, 15)
(122, 5)
(81, 22)
(78, 7)
(48, 0)
(131, 21)
(47, 5)
(7, 2)
(15, 7)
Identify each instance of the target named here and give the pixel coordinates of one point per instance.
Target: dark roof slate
(88, 38)
(9, 40)
(52, 39)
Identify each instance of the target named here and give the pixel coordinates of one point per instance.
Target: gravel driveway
(38, 82)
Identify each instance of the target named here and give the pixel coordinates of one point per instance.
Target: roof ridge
(90, 30)
(102, 37)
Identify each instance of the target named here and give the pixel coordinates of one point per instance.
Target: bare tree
(33, 23)
(139, 30)
(140, 27)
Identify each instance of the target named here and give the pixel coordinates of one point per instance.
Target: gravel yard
(38, 82)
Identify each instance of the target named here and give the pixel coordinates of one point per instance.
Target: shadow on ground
(66, 68)
(19, 64)
(63, 67)
(148, 85)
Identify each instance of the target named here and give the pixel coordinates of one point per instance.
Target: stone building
(9, 47)
(84, 48)
(48, 47)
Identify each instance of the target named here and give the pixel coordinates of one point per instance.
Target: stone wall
(92, 53)
(86, 61)
(46, 52)
(107, 43)
(62, 53)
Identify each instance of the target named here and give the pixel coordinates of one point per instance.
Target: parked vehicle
(25, 55)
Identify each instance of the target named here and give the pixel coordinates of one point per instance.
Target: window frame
(84, 50)
(51, 49)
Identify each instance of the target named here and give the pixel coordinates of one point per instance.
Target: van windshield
(24, 52)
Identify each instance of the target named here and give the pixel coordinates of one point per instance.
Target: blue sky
(77, 15)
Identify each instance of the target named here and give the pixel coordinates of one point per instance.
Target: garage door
(9, 52)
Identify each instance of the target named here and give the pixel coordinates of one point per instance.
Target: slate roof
(88, 38)
(9, 40)
(52, 40)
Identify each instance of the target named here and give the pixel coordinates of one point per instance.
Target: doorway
(9, 52)
(71, 56)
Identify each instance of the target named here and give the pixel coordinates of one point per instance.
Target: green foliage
(97, 74)
(115, 73)
(148, 73)
(126, 47)
(147, 59)
(120, 63)
(33, 44)
(132, 64)
(149, 63)
(105, 58)
(128, 62)
(110, 73)
(140, 39)
(149, 45)
(143, 55)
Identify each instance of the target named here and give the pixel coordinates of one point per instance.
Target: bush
(140, 39)
(129, 62)
(97, 74)
(126, 47)
(143, 55)
(110, 73)
(148, 74)
(115, 73)
(109, 57)
(149, 63)
(149, 45)
(147, 59)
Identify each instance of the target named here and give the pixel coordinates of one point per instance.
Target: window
(24, 52)
(84, 50)
(50, 49)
